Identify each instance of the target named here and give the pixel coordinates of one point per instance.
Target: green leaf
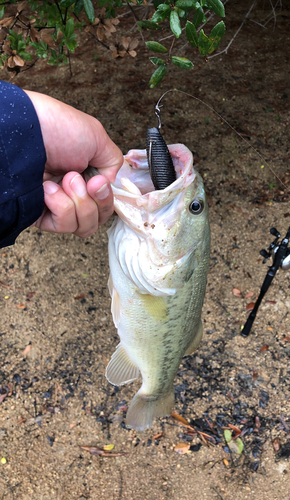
(236, 446)
(26, 56)
(187, 4)
(191, 34)
(175, 24)
(198, 17)
(217, 7)
(2, 10)
(69, 28)
(79, 5)
(156, 60)
(89, 10)
(203, 43)
(159, 16)
(216, 35)
(182, 62)
(183, 14)
(149, 25)
(71, 45)
(157, 76)
(156, 47)
(66, 3)
(228, 435)
(163, 7)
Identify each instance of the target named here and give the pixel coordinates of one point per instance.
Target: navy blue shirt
(22, 161)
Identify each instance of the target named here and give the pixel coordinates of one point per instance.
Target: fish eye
(196, 207)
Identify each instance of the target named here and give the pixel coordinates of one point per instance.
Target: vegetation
(32, 30)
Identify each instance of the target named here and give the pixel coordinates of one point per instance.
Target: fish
(159, 247)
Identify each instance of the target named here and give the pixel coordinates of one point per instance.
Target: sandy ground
(56, 329)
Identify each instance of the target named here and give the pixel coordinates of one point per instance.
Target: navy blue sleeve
(22, 161)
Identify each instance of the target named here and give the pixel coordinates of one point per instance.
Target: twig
(231, 41)
(212, 488)
(136, 19)
(10, 287)
(69, 63)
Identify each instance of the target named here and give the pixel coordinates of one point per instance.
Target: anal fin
(120, 369)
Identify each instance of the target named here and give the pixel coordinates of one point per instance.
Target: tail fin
(143, 409)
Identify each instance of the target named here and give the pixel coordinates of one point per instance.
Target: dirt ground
(56, 329)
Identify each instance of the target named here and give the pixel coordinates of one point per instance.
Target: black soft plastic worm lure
(159, 160)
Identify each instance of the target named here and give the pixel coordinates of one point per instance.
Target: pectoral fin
(120, 369)
(155, 306)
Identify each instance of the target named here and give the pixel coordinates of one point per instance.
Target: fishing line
(157, 113)
(279, 251)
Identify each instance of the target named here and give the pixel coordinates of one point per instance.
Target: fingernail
(50, 187)
(78, 186)
(103, 192)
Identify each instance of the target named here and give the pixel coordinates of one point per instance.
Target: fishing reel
(272, 251)
(280, 254)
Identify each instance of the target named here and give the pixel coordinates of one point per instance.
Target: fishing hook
(281, 258)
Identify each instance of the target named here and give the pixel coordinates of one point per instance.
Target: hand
(73, 140)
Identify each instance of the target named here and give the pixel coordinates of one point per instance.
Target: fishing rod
(279, 252)
(281, 258)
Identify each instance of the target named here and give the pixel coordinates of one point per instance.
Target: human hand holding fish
(158, 253)
(73, 140)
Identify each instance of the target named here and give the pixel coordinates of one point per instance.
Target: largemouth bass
(159, 253)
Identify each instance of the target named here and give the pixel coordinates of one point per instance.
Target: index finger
(108, 158)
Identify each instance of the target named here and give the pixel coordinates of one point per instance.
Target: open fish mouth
(134, 180)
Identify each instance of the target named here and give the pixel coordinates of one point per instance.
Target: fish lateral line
(158, 110)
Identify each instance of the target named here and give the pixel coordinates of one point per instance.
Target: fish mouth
(160, 163)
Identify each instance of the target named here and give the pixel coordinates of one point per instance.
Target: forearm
(22, 162)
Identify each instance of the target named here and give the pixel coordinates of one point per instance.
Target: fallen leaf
(257, 422)
(255, 375)
(21, 420)
(276, 445)
(182, 448)
(158, 436)
(79, 297)
(21, 306)
(102, 453)
(250, 306)
(236, 446)
(2, 397)
(180, 419)
(237, 292)
(286, 339)
(26, 350)
(270, 328)
(122, 407)
(225, 461)
(109, 447)
(228, 435)
(271, 302)
(264, 348)
(249, 294)
(236, 429)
